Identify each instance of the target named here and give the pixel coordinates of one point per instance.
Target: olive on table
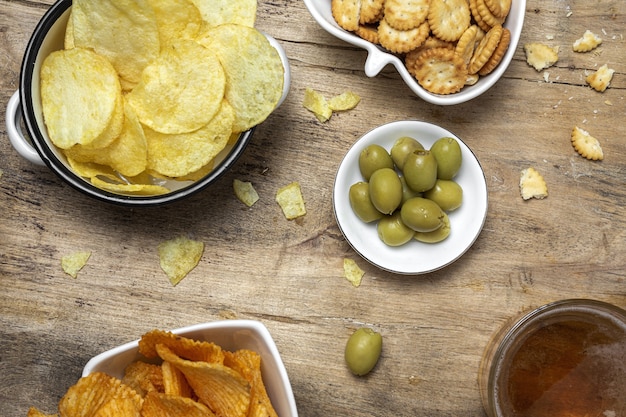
(436, 235)
(420, 170)
(373, 158)
(392, 230)
(422, 214)
(447, 152)
(361, 203)
(385, 190)
(363, 350)
(402, 147)
(447, 194)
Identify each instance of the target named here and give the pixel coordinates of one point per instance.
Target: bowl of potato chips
(446, 51)
(145, 103)
(229, 368)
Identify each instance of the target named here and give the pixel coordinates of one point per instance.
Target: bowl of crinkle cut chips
(446, 51)
(229, 368)
(145, 102)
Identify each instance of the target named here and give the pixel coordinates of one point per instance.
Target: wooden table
(289, 274)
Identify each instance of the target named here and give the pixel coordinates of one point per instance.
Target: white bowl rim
(282, 398)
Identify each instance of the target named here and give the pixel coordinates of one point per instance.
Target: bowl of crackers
(143, 104)
(229, 368)
(446, 51)
(410, 197)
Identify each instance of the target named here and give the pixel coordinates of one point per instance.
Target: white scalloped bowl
(378, 58)
(230, 335)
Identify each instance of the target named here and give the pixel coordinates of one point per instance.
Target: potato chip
(74, 262)
(290, 200)
(248, 364)
(123, 31)
(99, 394)
(352, 272)
(68, 81)
(174, 382)
(191, 349)
(144, 377)
(163, 405)
(219, 12)
(245, 192)
(224, 390)
(176, 155)
(344, 101)
(128, 154)
(181, 90)
(33, 412)
(315, 102)
(125, 188)
(179, 256)
(176, 19)
(254, 72)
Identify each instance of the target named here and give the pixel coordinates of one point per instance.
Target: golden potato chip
(315, 102)
(128, 154)
(74, 262)
(245, 192)
(174, 382)
(144, 377)
(123, 31)
(248, 364)
(99, 394)
(176, 19)
(254, 72)
(290, 200)
(352, 272)
(33, 412)
(176, 155)
(198, 174)
(179, 256)
(126, 188)
(219, 12)
(181, 90)
(344, 101)
(163, 405)
(224, 390)
(195, 350)
(69, 79)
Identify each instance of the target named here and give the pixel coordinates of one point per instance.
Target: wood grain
(288, 274)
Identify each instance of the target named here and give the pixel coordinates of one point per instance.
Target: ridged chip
(406, 14)
(191, 349)
(448, 19)
(346, 13)
(485, 49)
(163, 405)
(439, 70)
(34, 412)
(174, 382)
(600, 79)
(541, 56)
(72, 115)
(588, 42)
(498, 53)
(143, 377)
(532, 184)
(401, 41)
(586, 145)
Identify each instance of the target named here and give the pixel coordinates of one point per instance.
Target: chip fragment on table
(179, 256)
(290, 200)
(74, 262)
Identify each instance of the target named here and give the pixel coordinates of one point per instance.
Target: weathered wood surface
(288, 274)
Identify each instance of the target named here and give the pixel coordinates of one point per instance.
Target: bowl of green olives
(410, 197)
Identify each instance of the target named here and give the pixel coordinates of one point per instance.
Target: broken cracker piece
(586, 145)
(601, 79)
(541, 56)
(532, 184)
(588, 42)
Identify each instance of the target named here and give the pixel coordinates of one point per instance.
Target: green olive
(420, 170)
(385, 190)
(422, 214)
(402, 147)
(407, 193)
(436, 235)
(447, 194)
(447, 151)
(373, 158)
(363, 350)
(361, 204)
(392, 230)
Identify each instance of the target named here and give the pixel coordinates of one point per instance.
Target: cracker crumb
(532, 184)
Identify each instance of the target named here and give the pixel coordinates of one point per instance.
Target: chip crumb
(352, 272)
(179, 256)
(74, 262)
(290, 200)
(323, 109)
(245, 192)
(532, 184)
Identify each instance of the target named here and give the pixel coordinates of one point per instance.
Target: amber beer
(567, 359)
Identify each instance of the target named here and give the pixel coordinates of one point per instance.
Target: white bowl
(378, 58)
(230, 335)
(414, 257)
